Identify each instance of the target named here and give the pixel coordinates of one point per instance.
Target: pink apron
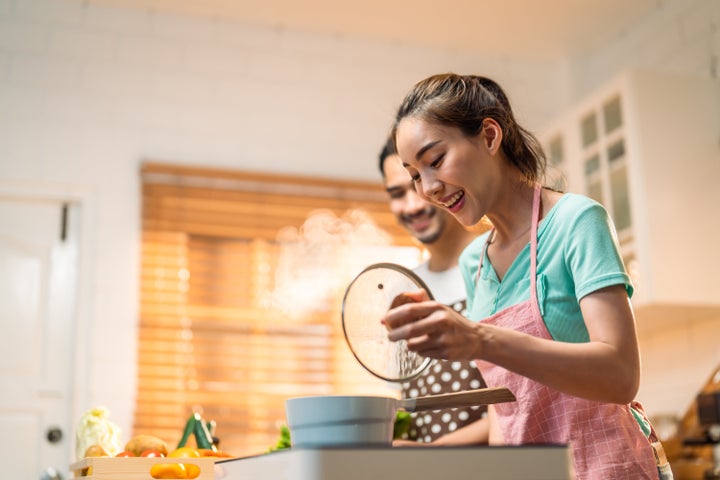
(605, 439)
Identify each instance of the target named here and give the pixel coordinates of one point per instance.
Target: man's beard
(430, 213)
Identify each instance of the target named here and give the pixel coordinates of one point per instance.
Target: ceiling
(537, 29)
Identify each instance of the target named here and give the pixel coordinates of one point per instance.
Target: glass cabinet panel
(555, 176)
(594, 190)
(612, 115)
(616, 151)
(593, 153)
(620, 200)
(589, 129)
(605, 168)
(593, 180)
(556, 153)
(592, 166)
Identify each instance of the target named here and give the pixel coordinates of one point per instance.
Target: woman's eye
(415, 178)
(436, 163)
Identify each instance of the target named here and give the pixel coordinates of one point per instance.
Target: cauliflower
(95, 429)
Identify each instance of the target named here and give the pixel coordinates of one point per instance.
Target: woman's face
(448, 167)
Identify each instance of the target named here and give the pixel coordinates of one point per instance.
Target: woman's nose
(430, 185)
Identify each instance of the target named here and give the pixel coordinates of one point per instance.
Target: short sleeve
(592, 252)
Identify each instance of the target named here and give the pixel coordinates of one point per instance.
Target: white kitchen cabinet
(647, 146)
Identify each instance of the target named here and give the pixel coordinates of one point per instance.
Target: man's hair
(387, 150)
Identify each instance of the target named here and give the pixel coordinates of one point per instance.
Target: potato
(93, 451)
(96, 451)
(139, 443)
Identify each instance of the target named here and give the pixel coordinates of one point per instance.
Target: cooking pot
(352, 420)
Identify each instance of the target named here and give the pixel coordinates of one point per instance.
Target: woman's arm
(607, 368)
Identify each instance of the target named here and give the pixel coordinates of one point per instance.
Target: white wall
(88, 92)
(680, 36)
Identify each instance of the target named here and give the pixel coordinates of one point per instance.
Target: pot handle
(469, 398)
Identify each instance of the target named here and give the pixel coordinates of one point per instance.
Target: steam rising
(318, 260)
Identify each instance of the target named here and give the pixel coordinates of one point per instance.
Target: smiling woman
(208, 340)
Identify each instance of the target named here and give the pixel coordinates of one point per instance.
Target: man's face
(421, 219)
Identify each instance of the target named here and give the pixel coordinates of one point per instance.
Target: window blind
(209, 339)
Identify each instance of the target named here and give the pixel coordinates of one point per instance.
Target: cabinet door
(605, 173)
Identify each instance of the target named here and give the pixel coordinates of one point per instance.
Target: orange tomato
(184, 452)
(208, 452)
(152, 453)
(193, 471)
(168, 470)
(125, 454)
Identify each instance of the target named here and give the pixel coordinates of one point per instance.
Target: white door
(38, 290)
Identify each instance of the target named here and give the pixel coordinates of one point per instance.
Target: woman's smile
(454, 202)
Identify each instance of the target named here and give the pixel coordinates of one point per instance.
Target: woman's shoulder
(568, 207)
(575, 201)
(571, 218)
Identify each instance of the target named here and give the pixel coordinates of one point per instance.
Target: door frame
(86, 200)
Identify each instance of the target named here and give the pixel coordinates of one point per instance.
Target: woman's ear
(491, 134)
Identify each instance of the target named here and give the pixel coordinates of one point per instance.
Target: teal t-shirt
(578, 254)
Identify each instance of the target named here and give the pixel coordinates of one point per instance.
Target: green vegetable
(203, 438)
(189, 429)
(402, 424)
(284, 440)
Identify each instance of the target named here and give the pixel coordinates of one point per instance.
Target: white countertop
(409, 463)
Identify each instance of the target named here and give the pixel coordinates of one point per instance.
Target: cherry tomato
(168, 470)
(186, 452)
(152, 453)
(207, 452)
(125, 454)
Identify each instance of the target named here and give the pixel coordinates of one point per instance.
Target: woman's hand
(433, 329)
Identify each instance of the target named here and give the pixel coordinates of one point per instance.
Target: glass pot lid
(368, 297)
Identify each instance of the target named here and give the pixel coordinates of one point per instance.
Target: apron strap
(533, 242)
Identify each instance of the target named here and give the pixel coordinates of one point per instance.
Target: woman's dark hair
(464, 101)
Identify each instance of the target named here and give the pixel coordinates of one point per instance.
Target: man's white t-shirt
(441, 376)
(446, 287)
